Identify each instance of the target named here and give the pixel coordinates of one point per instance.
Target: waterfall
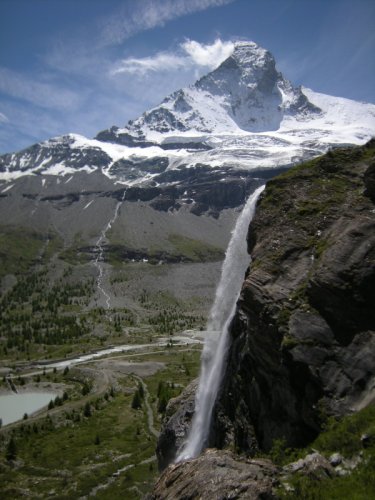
(98, 262)
(216, 344)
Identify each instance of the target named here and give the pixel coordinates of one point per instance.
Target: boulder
(313, 465)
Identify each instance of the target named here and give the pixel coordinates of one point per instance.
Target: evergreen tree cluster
(166, 391)
(33, 312)
(169, 321)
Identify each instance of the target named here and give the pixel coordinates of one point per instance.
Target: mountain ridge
(244, 114)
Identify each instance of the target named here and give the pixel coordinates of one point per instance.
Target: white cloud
(148, 80)
(209, 56)
(191, 54)
(134, 17)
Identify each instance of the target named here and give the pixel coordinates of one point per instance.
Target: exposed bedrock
(217, 475)
(176, 425)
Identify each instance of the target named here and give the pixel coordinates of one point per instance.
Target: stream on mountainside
(216, 344)
(98, 262)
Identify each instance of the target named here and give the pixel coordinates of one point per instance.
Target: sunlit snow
(231, 110)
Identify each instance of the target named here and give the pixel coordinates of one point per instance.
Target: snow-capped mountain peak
(245, 93)
(242, 115)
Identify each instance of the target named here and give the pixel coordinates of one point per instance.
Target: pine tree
(137, 402)
(11, 451)
(87, 410)
(141, 390)
(163, 401)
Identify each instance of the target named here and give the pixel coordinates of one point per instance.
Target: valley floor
(98, 435)
(95, 439)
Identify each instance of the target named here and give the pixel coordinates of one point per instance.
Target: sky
(82, 66)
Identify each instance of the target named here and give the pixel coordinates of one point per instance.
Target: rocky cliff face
(303, 336)
(302, 339)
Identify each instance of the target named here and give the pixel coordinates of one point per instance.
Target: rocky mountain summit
(302, 339)
(245, 92)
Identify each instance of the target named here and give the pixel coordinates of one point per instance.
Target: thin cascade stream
(216, 345)
(98, 262)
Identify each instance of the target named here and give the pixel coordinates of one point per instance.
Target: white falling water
(216, 345)
(98, 262)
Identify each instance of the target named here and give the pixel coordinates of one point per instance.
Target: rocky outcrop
(302, 339)
(369, 179)
(176, 424)
(218, 475)
(221, 474)
(303, 336)
(313, 465)
(114, 135)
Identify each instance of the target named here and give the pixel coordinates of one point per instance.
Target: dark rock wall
(303, 336)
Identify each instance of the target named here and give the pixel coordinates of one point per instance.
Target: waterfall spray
(216, 345)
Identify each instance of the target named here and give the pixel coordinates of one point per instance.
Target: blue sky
(85, 65)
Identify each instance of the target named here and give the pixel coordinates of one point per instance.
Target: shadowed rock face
(176, 425)
(303, 336)
(302, 339)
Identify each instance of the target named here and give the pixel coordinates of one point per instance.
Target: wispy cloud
(45, 95)
(190, 54)
(149, 79)
(28, 123)
(141, 66)
(3, 118)
(82, 83)
(134, 17)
